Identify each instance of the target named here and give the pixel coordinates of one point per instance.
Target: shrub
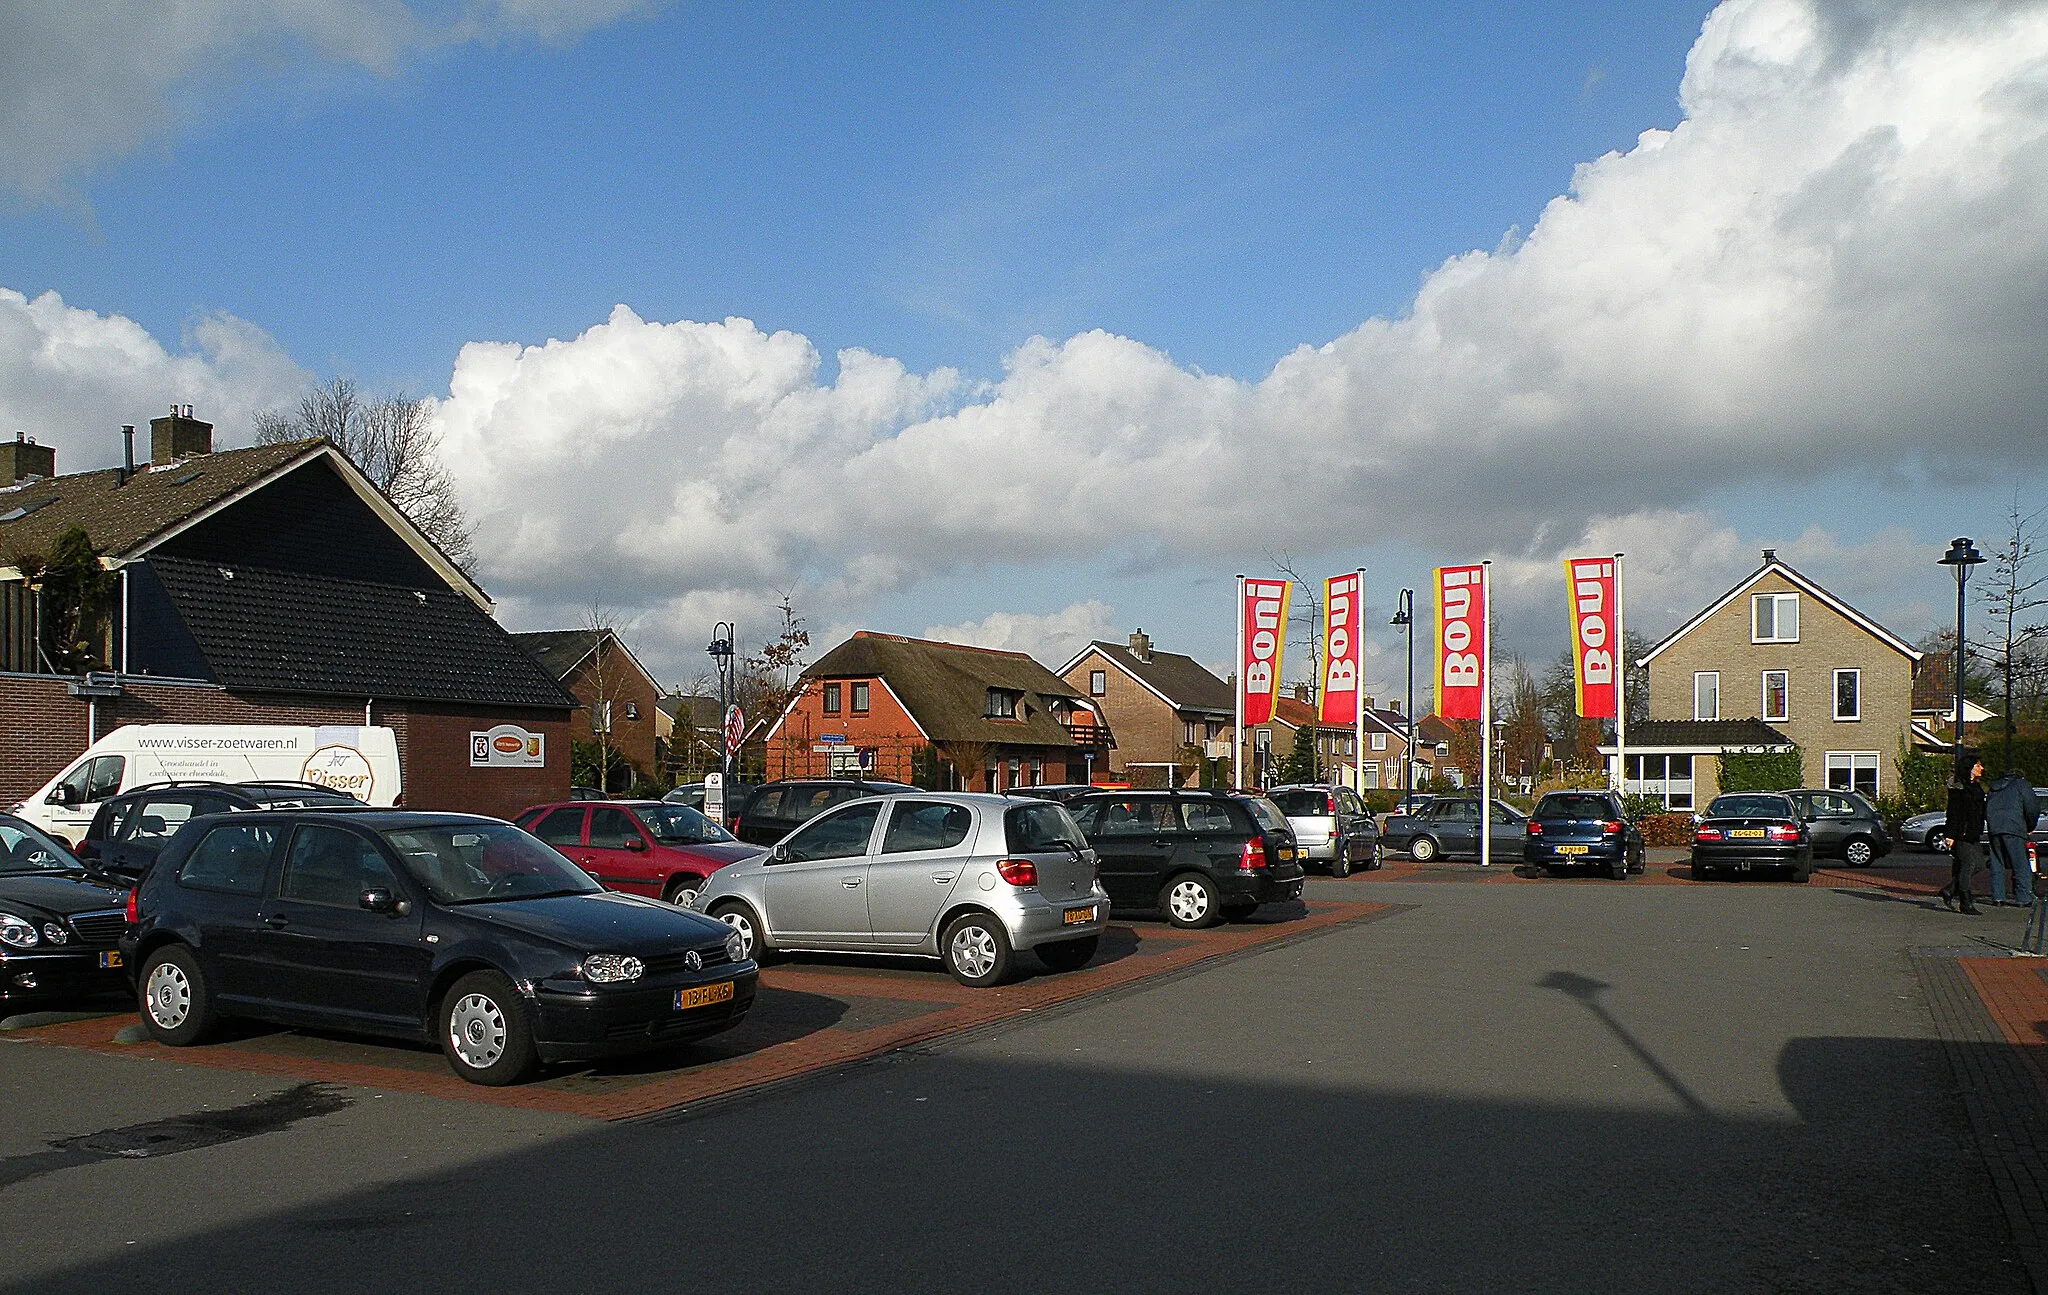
(1756, 769)
(1895, 808)
(1639, 807)
(1923, 779)
(1666, 829)
(1381, 801)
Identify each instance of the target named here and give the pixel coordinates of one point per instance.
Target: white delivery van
(361, 761)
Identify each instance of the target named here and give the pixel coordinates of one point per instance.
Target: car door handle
(277, 919)
(943, 877)
(849, 882)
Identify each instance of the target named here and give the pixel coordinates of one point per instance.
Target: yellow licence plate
(1076, 916)
(1572, 849)
(1746, 833)
(703, 995)
(110, 959)
(1285, 854)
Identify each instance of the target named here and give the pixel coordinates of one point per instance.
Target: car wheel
(1190, 901)
(1340, 860)
(742, 919)
(977, 951)
(1637, 865)
(176, 1009)
(1375, 860)
(1422, 849)
(1068, 955)
(1618, 870)
(1801, 875)
(1937, 841)
(484, 1030)
(1859, 852)
(682, 890)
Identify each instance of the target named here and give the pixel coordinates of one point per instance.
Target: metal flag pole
(1486, 721)
(1620, 688)
(1237, 694)
(1358, 688)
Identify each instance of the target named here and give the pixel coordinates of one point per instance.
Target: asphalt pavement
(1498, 1086)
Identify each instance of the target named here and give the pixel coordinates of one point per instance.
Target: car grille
(99, 928)
(670, 962)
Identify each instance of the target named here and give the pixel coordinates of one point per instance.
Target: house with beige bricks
(1159, 705)
(1775, 661)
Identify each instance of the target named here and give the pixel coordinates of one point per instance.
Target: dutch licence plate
(110, 959)
(1746, 833)
(1076, 916)
(1285, 854)
(1571, 849)
(703, 995)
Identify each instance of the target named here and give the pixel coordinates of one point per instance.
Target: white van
(361, 761)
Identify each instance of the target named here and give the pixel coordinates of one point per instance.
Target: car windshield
(680, 825)
(1750, 806)
(1266, 812)
(24, 849)
(471, 863)
(1555, 806)
(1305, 803)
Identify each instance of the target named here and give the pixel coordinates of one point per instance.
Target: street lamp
(1961, 556)
(722, 636)
(1404, 617)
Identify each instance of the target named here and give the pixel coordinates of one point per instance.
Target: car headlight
(54, 933)
(13, 930)
(610, 968)
(735, 947)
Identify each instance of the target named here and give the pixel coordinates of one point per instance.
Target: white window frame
(1835, 700)
(1698, 675)
(1784, 690)
(1852, 761)
(1098, 682)
(1371, 780)
(1379, 741)
(1778, 604)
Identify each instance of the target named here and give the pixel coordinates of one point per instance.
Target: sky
(1029, 325)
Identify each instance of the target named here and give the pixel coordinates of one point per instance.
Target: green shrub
(1923, 779)
(1663, 829)
(1895, 808)
(1381, 801)
(1757, 769)
(2029, 755)
(1639, 807)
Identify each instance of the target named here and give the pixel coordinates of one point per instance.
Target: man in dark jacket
(1965, 825)
(2010, 813)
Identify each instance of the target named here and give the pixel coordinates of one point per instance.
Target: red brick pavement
(809, 1016)
(2015, 992)
(1914, 879)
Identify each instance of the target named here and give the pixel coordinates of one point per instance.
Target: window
(1135, 818)
(1372, 775)
(1039, 829)
(1379, 741)
(232, 858)
(1188, 733)
(860, 698)
(561, 826)
(1206, 816)
(1667, 777)
(1098, 683)
(152, 821)
(1777, 702)
(926, 825)
(632, 710)
(94, 780)
(836, 836)
(1852, 771)
(1848, 694)
(332, 866)
(613, 829)
(1706, 694)
(1001, 703)
(1038, 773)
(831, 701)
(1774, 618)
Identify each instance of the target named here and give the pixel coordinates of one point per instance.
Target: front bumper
(70, 974)
(587, 1024)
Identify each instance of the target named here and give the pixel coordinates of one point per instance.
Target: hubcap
(1859, 853)
(476, 1030)
(974, 950)
(684, 897)
(1188, 901)
(168, 995)
(739, 922)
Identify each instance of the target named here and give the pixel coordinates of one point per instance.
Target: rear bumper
(1747, 856)
(1606, 850)
(1045, 922)
(585, 1026)
(1278, 883)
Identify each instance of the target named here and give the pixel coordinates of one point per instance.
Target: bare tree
(603, 676)
(2013, 594)
(394, 441)
(1311, 621)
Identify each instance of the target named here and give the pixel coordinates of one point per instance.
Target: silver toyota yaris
(967, 878)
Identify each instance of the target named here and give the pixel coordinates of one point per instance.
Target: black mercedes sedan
(60, 926)
(450, 928)
(1745, 831)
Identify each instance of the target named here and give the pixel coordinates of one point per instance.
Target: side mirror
(780, 854)
(636, 843)
(65, 796)
(383, 901)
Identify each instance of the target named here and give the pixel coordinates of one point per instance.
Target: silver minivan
(967, 878)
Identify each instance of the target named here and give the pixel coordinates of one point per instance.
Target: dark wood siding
(310, 521)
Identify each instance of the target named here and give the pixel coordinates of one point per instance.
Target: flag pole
(1237, 695)
(1486, 721)
(1620, 688)
(1358, 690)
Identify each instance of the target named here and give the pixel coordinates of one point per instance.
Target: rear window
(1748, 806)
(1304, 804)
(1582, 807)
(1266, 812)
(1035, 829)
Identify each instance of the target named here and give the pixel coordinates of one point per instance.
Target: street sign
(714, 798)
(735, 728)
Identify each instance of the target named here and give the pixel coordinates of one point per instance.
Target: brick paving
(1992, 1014)
(809, 1017)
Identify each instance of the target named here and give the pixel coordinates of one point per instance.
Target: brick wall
(435, 751)
(894, 737)
(627, 688)
(1147, 730)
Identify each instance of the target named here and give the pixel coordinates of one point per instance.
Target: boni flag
(1589, 587)
(1264, 614)
(1460, 641)
(1343, 641)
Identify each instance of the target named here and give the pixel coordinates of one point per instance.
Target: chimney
(1301, 692)
(178, 436)
(1770, 556)
(21, 459)
(1141, 646)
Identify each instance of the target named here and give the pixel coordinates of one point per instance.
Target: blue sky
(1795, 314)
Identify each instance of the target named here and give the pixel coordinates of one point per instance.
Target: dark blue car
(1583, 829)
(448, 928)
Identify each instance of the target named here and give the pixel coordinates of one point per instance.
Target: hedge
(1759, 769)
(1666, 829)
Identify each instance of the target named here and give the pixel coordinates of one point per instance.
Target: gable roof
(1179, 681)
(1700, 735)
(944, 687)
(285, 631)
(561, 651)
(125, 520)
(1773, 565)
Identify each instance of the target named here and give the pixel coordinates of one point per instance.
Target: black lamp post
(1961, 556)
(722, 636)
(1404, 616)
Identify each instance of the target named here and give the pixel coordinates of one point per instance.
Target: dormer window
(1001, 704)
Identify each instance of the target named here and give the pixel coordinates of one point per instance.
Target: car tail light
(1707, 834)
(1535, 828)
(1329, 804)
(133, 913)
(1253, 858)
(1018, 872)
(1610, 828)
(1781, 832)
(734, 826)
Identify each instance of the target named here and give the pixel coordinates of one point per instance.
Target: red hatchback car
(643, 847)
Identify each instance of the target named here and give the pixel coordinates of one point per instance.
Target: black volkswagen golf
(455, 929)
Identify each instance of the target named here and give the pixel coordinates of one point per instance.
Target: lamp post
(722, 636)
(1500, 740)
(1404, 616)
(1961, 556)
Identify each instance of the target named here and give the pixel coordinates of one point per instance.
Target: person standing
(2010, 812)
(1965, 825)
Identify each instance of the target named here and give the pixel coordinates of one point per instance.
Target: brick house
(1158, 704)
(615, 691)
(1780, 650)
(270, 585)
(1934, 704)
(885, 706)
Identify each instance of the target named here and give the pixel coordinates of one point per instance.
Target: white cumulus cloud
(1052, 638)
